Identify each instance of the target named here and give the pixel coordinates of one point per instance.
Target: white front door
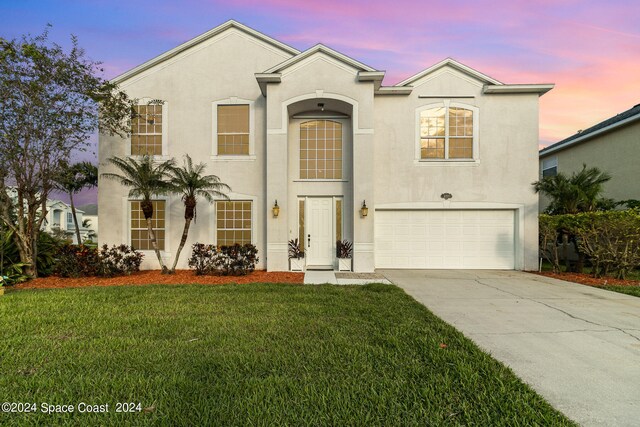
(320, 232)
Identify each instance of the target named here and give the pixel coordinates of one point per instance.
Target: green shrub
(13, 275)
(119, 260)
(77, 261)
(85, 261)
(610, 240)
(47, 250)
(235, 260)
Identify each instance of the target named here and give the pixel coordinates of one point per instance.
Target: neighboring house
(612, 145)
(444, 160)
(60, 217)
(91, 217)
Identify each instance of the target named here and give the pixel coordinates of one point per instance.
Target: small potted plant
(296, 256)
(344, 252)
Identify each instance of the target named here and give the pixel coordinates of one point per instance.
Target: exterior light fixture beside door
(364, 210)
(276, 210)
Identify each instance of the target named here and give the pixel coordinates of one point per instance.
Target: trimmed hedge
(610, 240)
(85, 261)
(235, 260)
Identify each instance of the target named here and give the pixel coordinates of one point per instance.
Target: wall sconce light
(446, 196)
(364, 210)
(276, 210)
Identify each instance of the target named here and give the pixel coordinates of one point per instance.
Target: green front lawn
(251, 355)
(629, 290)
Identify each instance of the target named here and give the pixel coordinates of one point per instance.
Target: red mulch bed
(587, 279)
(154, 277)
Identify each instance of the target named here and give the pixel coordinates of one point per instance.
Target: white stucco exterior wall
(380, 146)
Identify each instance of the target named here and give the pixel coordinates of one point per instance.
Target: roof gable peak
(316, 49)
(452, 63)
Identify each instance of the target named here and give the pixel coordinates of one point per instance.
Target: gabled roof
(365, 72)
(449, 62)
(611, 123)
(319, 48)
(201, 38)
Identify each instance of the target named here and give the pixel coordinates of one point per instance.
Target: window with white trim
(550, 166)
(233, 129)
(447, 132)
(233, 222)
(146, 130)
(140, 233)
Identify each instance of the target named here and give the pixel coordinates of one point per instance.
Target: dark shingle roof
(634, 111)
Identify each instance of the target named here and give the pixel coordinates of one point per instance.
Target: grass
(251, 355)
(629, 290)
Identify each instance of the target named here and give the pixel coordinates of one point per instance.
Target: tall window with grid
(233, 129)
(139, 232)
(146, 130)
(321, 150)
(446, 133)
(233, 222)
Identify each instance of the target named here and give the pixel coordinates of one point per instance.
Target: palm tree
(71, 180)
(145, 179)
(190, 182)
(579, 192)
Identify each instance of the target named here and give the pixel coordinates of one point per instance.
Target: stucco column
(277, 190)
(276, 186)
(363, 181)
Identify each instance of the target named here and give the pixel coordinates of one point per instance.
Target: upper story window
(233, 129)
(447, 132)
(69, 217)
(550, 166)
(147, 130)
(321, 149)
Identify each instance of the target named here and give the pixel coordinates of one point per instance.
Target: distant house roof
(618, 120)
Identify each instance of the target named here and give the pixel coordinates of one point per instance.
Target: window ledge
(161, 158)
(446, 163)
(320, 180)
(233, 158)
(152, 252)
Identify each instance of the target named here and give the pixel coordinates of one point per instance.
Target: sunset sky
(589, 49)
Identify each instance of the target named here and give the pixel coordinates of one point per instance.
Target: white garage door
(461, 239)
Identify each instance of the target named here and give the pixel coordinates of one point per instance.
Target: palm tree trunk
(183, 240)
(75, 218)
(154, 244)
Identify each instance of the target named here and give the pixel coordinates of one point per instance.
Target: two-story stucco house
(443, 160)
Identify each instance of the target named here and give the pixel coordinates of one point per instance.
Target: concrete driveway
(579, 347)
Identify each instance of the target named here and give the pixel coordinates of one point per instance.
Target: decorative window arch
(447, 131)
(321, 149)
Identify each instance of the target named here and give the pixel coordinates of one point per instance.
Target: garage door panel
(461, 239)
